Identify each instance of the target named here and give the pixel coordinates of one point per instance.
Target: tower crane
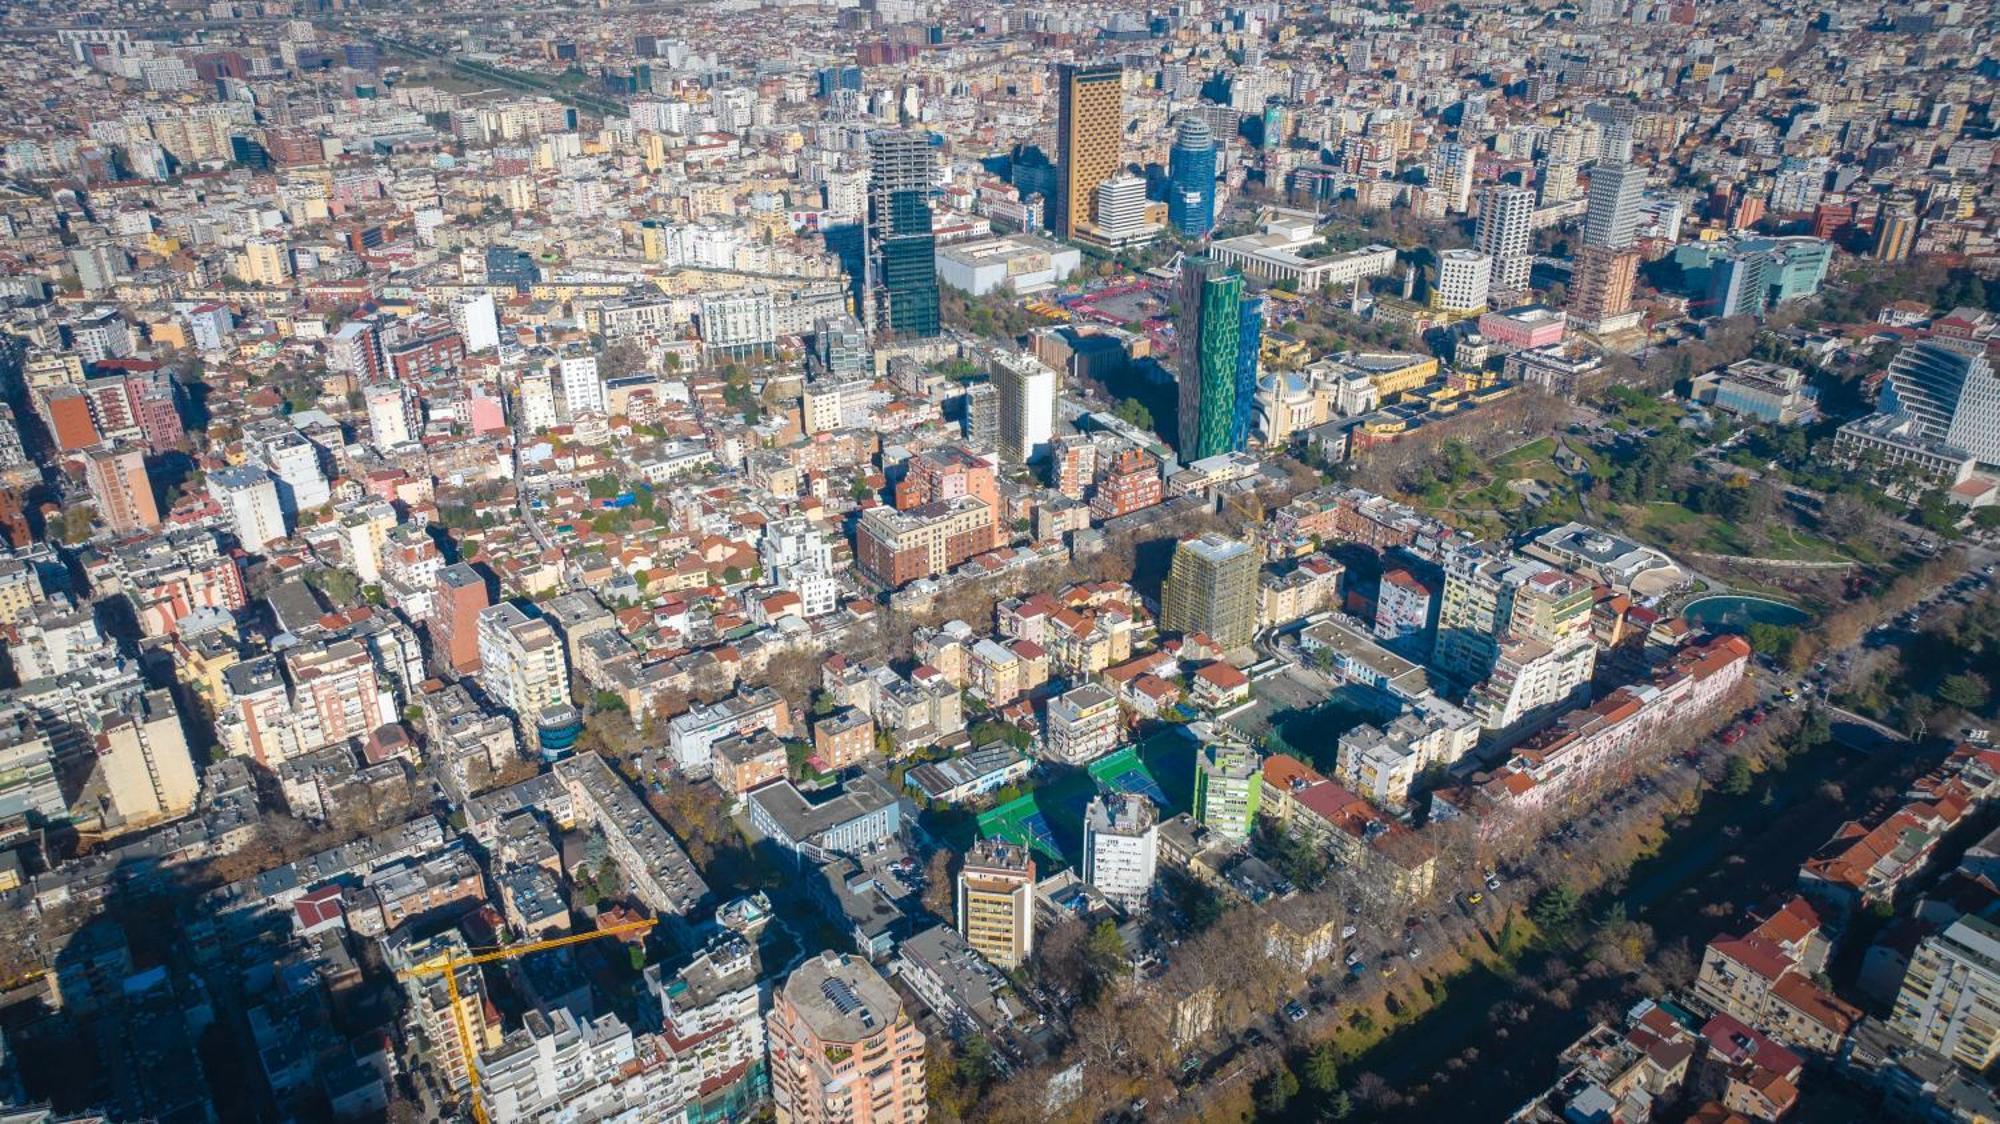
(449, 966)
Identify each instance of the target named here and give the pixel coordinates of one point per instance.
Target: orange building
(843, 1049)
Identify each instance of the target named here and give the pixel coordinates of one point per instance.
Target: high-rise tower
(1506, 234)
(902, 249)
(1191, 178)
(1090, 122)
(1601, 291)
(1212, 343)
(1211, 588)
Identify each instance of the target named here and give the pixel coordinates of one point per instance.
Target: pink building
(1523, 327)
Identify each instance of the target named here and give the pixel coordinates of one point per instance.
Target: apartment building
(843, 1050)
(996, 902)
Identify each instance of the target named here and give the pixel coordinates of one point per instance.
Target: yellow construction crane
(450, 965)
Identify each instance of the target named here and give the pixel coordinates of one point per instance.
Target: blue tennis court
(1138, 782)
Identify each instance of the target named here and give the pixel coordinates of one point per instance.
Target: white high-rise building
(1121, 848)
(1506, 234)
(1612, 218)
(1450, 171)
(1463, 278)
(714, 1006)
(391, 415)
(521, 661)
(582, 386)
(1950, 998)
(1027, 405)
(1121, 207)
(1951, 388)
(294, 461)
(478, 323)
(248, 497)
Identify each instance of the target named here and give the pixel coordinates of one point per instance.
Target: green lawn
(1539, 450)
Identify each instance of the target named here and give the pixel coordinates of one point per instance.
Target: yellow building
(996, 902)
(1393, 373)
(264, 263)
(200, 663)
(1090, 125)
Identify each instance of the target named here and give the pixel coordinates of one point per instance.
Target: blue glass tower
(1249, 341)
(1191, 178)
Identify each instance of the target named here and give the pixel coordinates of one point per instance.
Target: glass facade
(1191, 179)
(1249, 341)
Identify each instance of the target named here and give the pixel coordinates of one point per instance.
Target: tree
(1277, 1090)
(1104, 951)
(340, 586)
(1554, 909)
(1737, 777)
(1133, 412)
(1323, 1069)
(938, 886)
(1770, 639)
(1965, 691)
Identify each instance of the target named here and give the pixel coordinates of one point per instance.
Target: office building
(1118, 213)
(1950, 999)
(1027, 393)
(1611, 219)
(996, 902)
(1463, 279)
(1228, 787)
(1952, 391)
(521, 661)
(1211, 588)
(461, 597)
(1121, 848)
(1209, 341)
(1090, 125)
(248, 497)
(1249, 351)
(903, 249)
(124, 493)
(842, 1048)
(1191, 178)
(1506, 235)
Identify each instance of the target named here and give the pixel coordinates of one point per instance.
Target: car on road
(1474, 898)
(1492, 880)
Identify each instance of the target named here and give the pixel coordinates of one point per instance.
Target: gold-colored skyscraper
(1090, 123)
